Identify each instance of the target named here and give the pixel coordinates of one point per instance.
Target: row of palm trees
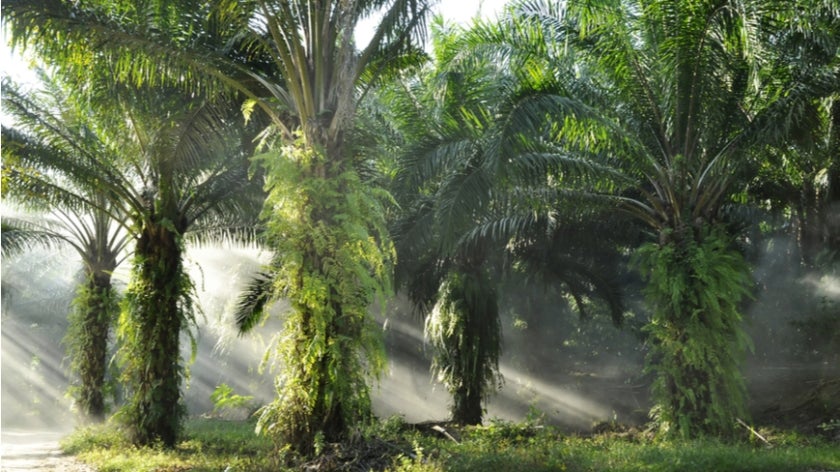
(298, 65)
(657, 110)
(498, 152)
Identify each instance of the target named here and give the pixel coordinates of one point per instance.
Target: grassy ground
(215, 445)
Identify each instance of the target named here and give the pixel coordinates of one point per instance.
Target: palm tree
(101, 248)
(325, 224)
(191, 172)
(799, 184)
(477, 199)
(674, 95)
(80, 217)
(171, 163)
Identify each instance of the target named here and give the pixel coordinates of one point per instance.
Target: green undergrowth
(215, 445)
(207, 445)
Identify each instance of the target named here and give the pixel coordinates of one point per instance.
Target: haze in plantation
(616, 191)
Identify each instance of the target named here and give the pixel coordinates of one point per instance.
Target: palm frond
(19, 235)
(251, 307)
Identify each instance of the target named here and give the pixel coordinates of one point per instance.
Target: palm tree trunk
(467, 397)
(330, 266)
(326, 416)
(88, 343)
(156, 318)
(467, 356)
(695, 284)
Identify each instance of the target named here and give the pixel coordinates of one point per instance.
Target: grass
(216, 445)
(208, 445)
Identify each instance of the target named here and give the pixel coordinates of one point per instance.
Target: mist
(791, 321)
(557, 368)
(36, 291)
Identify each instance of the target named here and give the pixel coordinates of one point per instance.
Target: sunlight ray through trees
(627, 160)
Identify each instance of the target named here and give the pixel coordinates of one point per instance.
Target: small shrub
(230, 405)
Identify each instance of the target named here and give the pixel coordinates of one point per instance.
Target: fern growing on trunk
(695, 283)
(465, 332)
(333, 260)
(156, 309)
(95, 308)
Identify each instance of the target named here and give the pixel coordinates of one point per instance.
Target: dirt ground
(36, 451)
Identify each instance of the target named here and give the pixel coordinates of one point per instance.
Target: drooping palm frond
(421, 268)
(195, 153)
(20, 234)
(250, 309)
(54, 150)
(489, 146)
(55, 164)
(60, 150)
(141, 42)
(226, 195)
(563, 253)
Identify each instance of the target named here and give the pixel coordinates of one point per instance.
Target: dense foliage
(694, 118)
(332, 260)
(695, 291)
(95, 309)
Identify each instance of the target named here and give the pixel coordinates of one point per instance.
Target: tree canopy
(563, 143)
